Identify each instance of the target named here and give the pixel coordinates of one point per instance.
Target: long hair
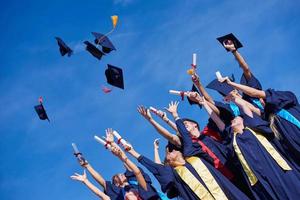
(272, 119)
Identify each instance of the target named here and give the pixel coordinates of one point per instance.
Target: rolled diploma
(104, 143)
(176, 92)
(153, 109)
(118, 136)
(194, 59)
(76, 151)
(219, 76)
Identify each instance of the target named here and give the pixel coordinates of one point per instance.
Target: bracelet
(125, 160)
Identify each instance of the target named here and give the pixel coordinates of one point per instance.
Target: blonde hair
(272, 119)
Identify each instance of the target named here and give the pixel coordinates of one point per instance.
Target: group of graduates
(249, 149)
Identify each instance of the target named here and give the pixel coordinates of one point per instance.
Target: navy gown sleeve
(189, 148)
(163, 174)
(277, 100)
(258, 124)
(113, 191)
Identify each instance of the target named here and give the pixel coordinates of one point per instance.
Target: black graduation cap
(40, 110)
(226, 113)
(114, 76)
(231, 37)
(93, 50)
(172, 147)
(107, 45)
(63, 48)
(223, 88)
(194, 89)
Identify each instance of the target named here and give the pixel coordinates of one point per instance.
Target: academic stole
(214, 190)
(269, 148)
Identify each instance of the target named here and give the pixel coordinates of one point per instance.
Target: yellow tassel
(114, 20)
(191, 71)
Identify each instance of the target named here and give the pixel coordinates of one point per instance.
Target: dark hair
(190, 120)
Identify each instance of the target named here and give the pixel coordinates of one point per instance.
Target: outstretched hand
(228, 44)
(109, 135)
(78, 177)
(144, 112)
(224, 79)
(173, 107)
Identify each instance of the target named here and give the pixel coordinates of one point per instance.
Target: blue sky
(155, 41)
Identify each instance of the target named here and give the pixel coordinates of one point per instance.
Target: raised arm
(160, 129)
(239, 58)
(156, 151)
(164, 117)
(220, 124)
(83, 178)
(242, 104)
(116, 150)
(246, 89)
(85, 164)
(196, 81)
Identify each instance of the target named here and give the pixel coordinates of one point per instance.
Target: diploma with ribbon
(192, 70)
(179, 93)
(105, 143)
(78, 155)
(120, 140)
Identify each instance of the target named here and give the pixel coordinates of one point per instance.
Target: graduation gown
(117, 193)
(174, 186)
(279, 101)
(272, 181)
(226, 162)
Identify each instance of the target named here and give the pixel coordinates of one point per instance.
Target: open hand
(144, 112)
(78, 177)
(172, 107)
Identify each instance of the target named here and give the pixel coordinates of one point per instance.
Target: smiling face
(192, 128)
(119, 179)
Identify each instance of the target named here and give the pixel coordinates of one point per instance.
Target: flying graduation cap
(114, 76)
(104, 42)
(63, 48)
(93, 50)
(230, 38)
(40, 110)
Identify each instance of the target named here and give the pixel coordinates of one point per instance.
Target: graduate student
(282, 110)
(232, 44)
(190, 178)
(122, 182)
(268, 173)
(83, 178)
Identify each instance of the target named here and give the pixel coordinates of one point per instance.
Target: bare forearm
(249, 90)
(139, 176)
(241, 103)
(243, 64)
(156, 156)
(95, 190)
(164, 132)
(96, 175)
(214, 117)
(204, 93)
(171, 124)
(214, 108)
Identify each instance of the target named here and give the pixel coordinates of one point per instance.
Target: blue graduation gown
(290, 133)
(117, 193)
(273, 182)
(223, 152)
(174, 186)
